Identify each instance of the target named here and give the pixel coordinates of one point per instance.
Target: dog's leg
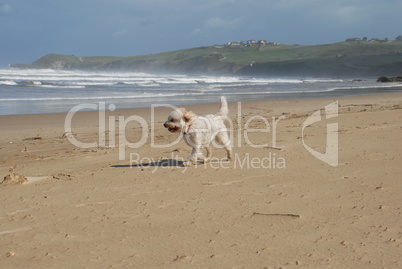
(193, 156)
(229, 153)
(223, 139)
(203, 158)
(228, 150)
(209, 152)
(206, 158)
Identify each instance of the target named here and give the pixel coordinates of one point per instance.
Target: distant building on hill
(374, 39)
(353, 39)
(234, 44)
(249, 43)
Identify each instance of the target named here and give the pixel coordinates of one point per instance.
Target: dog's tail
(223, 110)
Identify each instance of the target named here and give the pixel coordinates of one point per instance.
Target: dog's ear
(181, 111)
(188, 115)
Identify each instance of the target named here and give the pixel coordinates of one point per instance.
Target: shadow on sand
(161, 163)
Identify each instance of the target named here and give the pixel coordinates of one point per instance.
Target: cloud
(120, 33)
(291, 4)
(217, 23)
(348, 14)
(6, 9)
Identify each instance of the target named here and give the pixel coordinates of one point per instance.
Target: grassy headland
(338, 59)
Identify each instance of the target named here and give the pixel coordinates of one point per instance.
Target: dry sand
(68, 207)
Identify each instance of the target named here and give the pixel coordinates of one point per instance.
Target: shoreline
(51, 119)
(273, 97)
(282, 206)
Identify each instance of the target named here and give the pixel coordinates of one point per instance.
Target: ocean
(36, 91)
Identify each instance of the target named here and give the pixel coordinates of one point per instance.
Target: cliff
(338, 59)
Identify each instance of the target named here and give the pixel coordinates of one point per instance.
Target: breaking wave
(46, 90)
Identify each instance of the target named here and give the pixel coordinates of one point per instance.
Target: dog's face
(177, 120)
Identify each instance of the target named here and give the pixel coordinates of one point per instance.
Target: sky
(30, 29)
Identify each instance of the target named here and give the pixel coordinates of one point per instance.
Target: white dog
(200, 131)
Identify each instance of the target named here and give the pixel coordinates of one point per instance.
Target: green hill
(338, 59)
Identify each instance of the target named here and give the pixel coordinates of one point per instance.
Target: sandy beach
(123, 200)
